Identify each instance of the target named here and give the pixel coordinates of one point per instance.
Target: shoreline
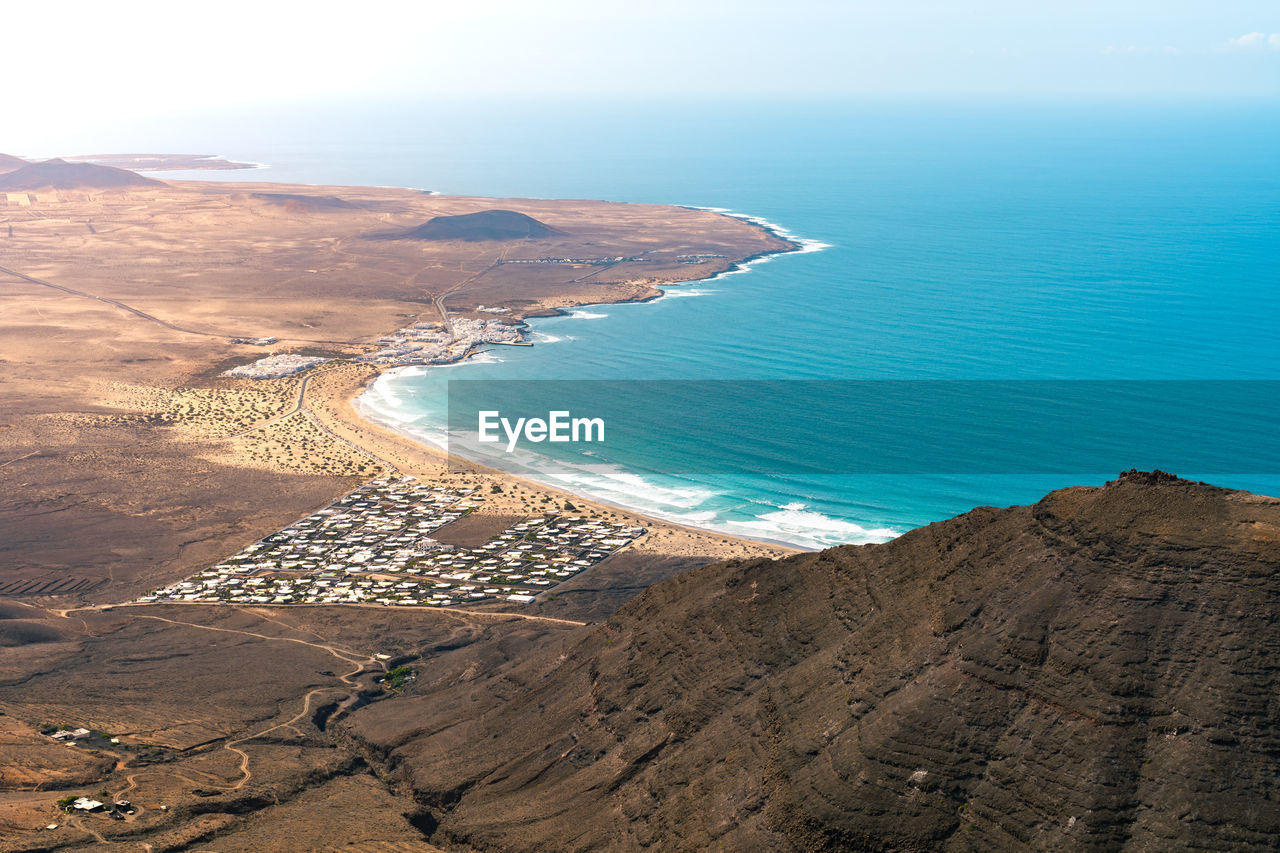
(420, 459)
(369, 412)
(800, 244)
(447, 459)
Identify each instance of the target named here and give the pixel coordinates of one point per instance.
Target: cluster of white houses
(275, 366)
(373, 547)
(427, 343)
(421, 343)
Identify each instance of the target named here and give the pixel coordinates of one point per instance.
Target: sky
(110, 62)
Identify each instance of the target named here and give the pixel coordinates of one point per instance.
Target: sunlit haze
(82, 61)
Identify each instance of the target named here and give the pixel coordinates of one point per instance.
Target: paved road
(439, 300)
(300, 406)
(297, 407)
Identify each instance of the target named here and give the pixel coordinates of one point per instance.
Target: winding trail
(78, 822)
(234, 745)
(358, 660)
(132, 779)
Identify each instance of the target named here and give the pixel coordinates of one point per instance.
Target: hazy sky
(97, 60)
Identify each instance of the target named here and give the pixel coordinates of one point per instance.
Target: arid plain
(127, 462)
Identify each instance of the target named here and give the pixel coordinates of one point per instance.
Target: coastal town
(430, 343)
(421, 343)
(374, 546)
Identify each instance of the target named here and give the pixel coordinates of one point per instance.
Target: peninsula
(127, 299)
(178, 451)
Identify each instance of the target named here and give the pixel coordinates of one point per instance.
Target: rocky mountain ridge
(1097, 671)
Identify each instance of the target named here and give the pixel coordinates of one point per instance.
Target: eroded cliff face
(1094, 672)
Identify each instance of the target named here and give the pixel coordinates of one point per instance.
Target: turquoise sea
(1062, 241)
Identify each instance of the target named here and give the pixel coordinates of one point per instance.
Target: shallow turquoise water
(1070, 241)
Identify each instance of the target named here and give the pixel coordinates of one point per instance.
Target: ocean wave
(687, 503)
(437, 438)
(603, 481)
(679, 292)
(586, 315)
(381, 405)
(806, 244)
(614, 484)
(797, 524)
(382, 392)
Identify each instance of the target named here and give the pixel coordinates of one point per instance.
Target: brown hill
(475, 227)
(1098, 671)
(8, 163)
(61, 175)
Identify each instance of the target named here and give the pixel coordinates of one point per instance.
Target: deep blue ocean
(976, 241)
